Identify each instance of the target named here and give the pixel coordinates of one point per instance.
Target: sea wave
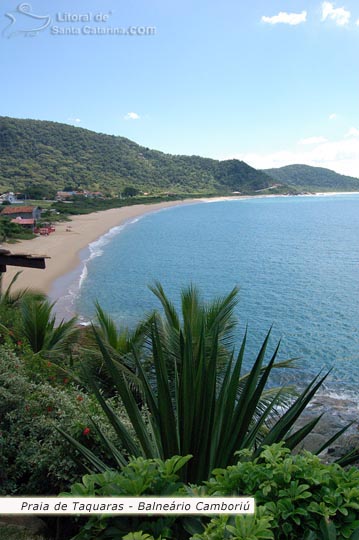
(345, 395)
(73, 282)
(95, 249)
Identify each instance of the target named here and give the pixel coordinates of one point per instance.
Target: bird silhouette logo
(24, 22)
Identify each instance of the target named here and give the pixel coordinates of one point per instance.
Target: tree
(8, 229)
(130, 191)
(40, 190)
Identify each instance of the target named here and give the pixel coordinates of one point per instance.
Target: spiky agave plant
(199, 401)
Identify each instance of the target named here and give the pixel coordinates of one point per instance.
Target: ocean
(294, 259)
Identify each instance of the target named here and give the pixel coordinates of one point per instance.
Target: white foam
(83, 276)
(84, 323)
(329, 194)
(341, 396)
(67, 302)
(96, 248)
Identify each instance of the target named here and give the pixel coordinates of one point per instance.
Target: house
(23, 212)
(64, 195)
(9, 197)
(26, 223)
(95, 194)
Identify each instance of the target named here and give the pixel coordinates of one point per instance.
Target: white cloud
(341, 156)
(313, 140)
(286, 18)
(340, 16)
(357, 23)
(353, 132)
(74, 120)
(333, 116)
(132, 116)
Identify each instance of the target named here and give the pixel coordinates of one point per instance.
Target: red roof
(22, 221)
(18, 210)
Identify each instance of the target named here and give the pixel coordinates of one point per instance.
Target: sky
(270, 82)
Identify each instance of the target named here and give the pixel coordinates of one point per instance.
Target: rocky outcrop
(22, 528)
(337, 413)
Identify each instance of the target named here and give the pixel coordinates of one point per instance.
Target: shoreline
(64, 246)
(71, 238)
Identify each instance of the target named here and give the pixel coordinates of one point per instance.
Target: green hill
(313, 178)
(42, 157)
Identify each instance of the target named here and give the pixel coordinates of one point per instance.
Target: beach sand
(64, 245)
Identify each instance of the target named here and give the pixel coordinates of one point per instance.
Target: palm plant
(10, 298)
(199, 401)
(10, 302)
(122, 341)
(38, 325)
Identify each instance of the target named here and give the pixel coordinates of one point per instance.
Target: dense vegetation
(39, 158)
(313, 178)
(163, 409)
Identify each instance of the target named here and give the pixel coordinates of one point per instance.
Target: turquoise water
(295, 259)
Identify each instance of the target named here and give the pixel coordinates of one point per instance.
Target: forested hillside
(43, 157)
(314, 178)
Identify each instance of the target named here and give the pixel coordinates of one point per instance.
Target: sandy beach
(64, 245)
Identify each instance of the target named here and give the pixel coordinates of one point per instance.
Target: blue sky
(270, 82)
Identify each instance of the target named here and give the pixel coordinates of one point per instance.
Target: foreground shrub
(242, 527)
(297, 497)
(300, 497)
(140, 477)
(34, 457)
